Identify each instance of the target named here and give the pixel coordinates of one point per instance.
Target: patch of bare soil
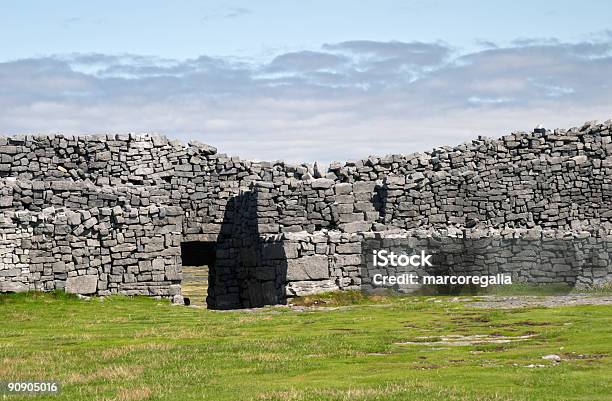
(523, 301)
(457, 340)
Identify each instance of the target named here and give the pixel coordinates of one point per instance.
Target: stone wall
(282, 266)
(560, 180)
(72, 200)
(94, 242)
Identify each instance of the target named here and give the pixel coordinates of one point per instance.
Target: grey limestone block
(343, 188)
(6, 198)
(83, 285)
(13, 286)
(363, 187)
(308, 268)
(303, 288)
(322, 183)
(355, 227)
(354, 248)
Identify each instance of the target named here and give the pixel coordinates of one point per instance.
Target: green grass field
(412, 348)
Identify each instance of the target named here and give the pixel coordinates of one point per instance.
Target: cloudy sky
(305, 81)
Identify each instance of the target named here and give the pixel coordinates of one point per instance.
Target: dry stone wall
(559, 180)
(96, 242)
(116, 207)
(279, 266)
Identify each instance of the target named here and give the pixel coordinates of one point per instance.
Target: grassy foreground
(144, 349)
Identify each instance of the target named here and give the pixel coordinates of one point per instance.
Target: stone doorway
(198, 260)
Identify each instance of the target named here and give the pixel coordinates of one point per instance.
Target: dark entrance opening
(198, 259)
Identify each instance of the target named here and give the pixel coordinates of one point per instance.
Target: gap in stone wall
(198, 259)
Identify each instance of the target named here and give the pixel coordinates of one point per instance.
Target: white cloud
(343, 101)
(226, 12)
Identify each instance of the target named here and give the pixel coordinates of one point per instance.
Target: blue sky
(305, 80)
(187, 29)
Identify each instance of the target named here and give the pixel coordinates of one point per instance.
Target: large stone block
(268, 228)
(314, 267)
(303, 288)
(9, 150)
(364, 187)
(83, 285)
(343, 189)
(62, 185)
(351, 217)
(173, 273)
(322, 183)
(125, 247)
(13, 286)
(354, 247)
(103, 156)
(355, 227)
